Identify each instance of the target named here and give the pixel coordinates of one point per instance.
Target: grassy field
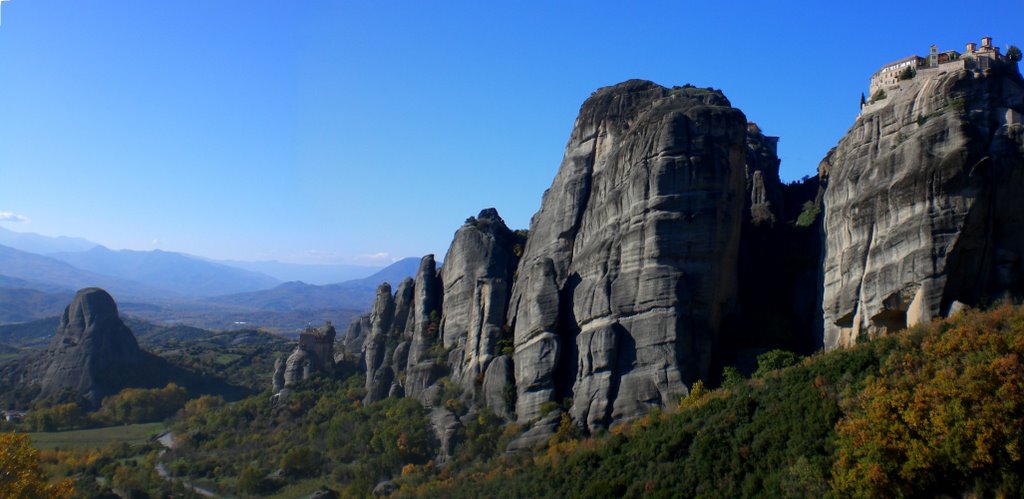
(96, 438)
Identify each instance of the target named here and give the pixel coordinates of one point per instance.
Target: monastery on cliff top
(974, 58)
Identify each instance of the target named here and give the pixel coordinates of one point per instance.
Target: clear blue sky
(334, 131)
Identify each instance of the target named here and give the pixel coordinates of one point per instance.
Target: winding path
(167, 440)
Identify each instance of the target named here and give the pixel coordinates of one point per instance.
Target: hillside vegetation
(936, 410)
(932, 410)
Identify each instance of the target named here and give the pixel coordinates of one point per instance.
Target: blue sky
(358, 132)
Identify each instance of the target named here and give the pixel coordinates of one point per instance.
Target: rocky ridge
(617, 298)
(667, 248)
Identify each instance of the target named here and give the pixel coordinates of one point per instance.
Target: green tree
(1013, 53)
(731, 377)
(300, 461)
(774, 359)
(250, 480)
(808, 214)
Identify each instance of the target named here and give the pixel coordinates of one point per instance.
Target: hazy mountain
(356, 294)
(48, 274)
(182, 274)
(393, 273)
(16, 283)
(35, 243)
(22, 304)
(308, 273)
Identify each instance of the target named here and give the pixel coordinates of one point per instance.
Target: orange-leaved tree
(20, 474)
(943, 416)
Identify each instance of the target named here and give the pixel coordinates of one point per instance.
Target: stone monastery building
(974, 58)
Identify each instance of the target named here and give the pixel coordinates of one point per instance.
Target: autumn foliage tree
(141, 405)
(20, 474)
(945, 413)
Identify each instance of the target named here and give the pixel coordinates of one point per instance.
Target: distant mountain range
(175, 272)
(174, 288)
(43, 273)
(35, 243)
(297, 295)
(91, 256)
(305, 272)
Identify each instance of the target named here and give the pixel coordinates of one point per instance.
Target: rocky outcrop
(425, 319)
(278, 379)
(355, 336)
(538, 435)
(477, 277)
(92, 353)
(923, 204)
(446, 426)
(313, 356)
(402, 350)
(499, 387)
(378, 372)
(630, 264)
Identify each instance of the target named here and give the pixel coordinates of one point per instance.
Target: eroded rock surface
(477, 277)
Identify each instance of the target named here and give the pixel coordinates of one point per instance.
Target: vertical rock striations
(477, 276)
(630, 264)
(423, 327)
(376, 349)
(923, 204)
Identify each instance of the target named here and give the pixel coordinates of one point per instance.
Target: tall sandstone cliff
(924, 203)
(630, 264)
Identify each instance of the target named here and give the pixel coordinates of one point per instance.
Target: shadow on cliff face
(568, 329)
(985, 263)
(778, 279)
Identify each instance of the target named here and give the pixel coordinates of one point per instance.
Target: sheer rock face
(297, 368)
(92, 353)
(375, 349)
(630, 263)
(477, 276)
(423, 322)
(777, 264)
(498, 380)
(445, 425)
(355, 337)
(403, 307)
(923, 203)
(422, 325)
(278, 378)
